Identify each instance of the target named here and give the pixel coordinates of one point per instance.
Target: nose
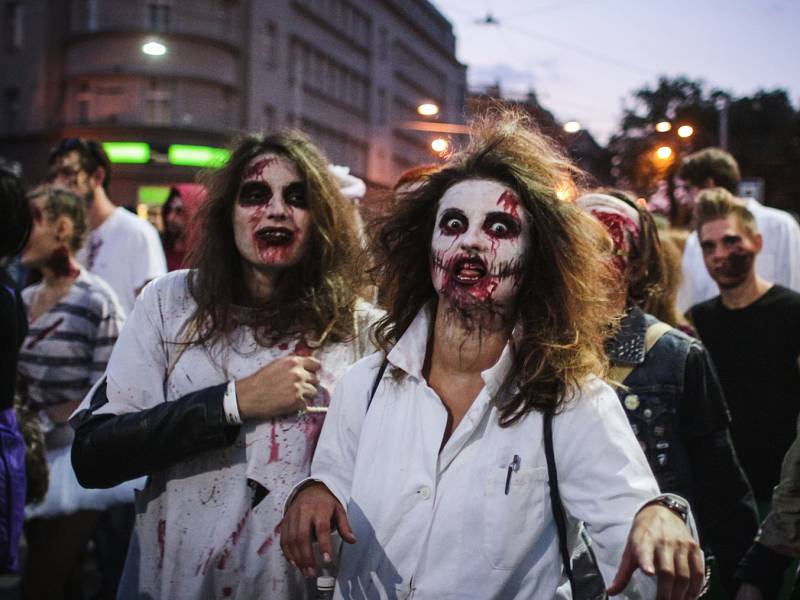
(277, 208)
(473, 239)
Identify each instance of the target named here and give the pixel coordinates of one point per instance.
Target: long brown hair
(317, 296)
(563, 312)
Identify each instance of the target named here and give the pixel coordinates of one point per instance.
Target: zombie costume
(126, 252)
(458, 521)
(778, 261)
(205, 525)
(755, 350)
(677, 410)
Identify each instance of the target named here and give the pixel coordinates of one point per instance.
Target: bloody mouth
(468, 271)
(274, 236)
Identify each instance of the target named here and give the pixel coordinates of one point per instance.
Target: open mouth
(469, 271)
(275, 236)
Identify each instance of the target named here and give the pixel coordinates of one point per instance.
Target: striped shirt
(67, 348)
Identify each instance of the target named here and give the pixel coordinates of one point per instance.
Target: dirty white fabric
(197, 534)
(434, 524)
(778, 261)
(126, 252)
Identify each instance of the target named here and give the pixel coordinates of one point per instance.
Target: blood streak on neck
(60, 263)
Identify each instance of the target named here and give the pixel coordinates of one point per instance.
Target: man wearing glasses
(122, 249)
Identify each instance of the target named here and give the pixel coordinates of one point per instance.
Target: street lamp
(440, 145)
(154, 49)
(685, 131)
(572, 127)
(428, 109)
(664, 152)
(663, 126)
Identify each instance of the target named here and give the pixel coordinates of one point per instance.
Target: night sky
(584, 57)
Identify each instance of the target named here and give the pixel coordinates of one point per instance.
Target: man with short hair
(779, 259)
(752, 330)
(122, 249)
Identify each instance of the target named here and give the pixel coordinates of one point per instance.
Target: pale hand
(313, 513)
(281, 387)
(661, 545)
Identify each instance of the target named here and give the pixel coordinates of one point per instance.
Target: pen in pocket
(513, 467)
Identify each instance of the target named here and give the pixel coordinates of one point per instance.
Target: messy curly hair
(563, 312)
(315, 297)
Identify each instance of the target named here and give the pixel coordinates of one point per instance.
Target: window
(158, 103)
(92, 9)
(11, 109)
(158, 14)
(13, 25)
(383, 44)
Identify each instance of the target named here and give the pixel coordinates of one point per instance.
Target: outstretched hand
(661, 545)
(312, 513)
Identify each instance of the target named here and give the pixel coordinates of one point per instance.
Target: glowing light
(664, 152)
(152, 194)
(440, 145)
(154, 49)
(428, 109)
(197, 156)
(572, 127)
(127, 152)
(685, 131)
(565, 191)
(663, 126)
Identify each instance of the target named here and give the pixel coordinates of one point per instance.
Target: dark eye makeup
(453, 222)
(254, 193)
(501, 225)
(295, 195)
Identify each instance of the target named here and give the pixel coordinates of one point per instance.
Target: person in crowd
(122, 249)
(761, 572)
(752, 330)
(15, 226)
(412, 178)
(779, 259)
(74, 320)
(178, 213)
(217, 385)
(670, 391)
(431, 463)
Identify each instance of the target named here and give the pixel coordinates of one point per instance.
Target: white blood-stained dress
(206, 527)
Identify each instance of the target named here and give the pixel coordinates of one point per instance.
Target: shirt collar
(628, 345)
(409, 352)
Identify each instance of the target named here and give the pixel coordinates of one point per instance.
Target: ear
(64, 229)
(98, 177)
(758, 242)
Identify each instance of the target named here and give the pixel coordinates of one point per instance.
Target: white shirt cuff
(230, 405)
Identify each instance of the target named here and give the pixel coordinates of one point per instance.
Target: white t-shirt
(197, 533)
(125, 251)
(778, 261)
(452, 523)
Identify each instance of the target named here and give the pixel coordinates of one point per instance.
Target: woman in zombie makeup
(217, 385)
(178, 215)
(670, 390)
(497, 315)
(74, 319)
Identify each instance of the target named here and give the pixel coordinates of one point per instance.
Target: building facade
(350, 73)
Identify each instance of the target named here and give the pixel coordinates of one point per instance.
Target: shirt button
(424, 492)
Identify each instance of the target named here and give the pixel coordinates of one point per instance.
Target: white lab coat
(437, 525)
(778, 261)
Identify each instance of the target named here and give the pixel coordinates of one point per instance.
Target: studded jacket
(677, 410)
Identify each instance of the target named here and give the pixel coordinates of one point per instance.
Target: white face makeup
(478, 246)
(271, 217)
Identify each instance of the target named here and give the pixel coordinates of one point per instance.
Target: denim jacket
(677, 410)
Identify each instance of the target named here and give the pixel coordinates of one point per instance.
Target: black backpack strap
(555, 499)
(377, 382)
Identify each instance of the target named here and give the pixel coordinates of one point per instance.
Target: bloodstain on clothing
(95, 243)
(302, 348)
(254, 171)
(44, 333)
(274, 447)
(231, 542)
(262, 549)
(162, 534)
(60, 263)
(509, 202)
(283, 346)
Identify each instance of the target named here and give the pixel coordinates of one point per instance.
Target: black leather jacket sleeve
(724, 502)
(110, 449)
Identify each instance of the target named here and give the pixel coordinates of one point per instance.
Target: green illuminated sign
(127, 152)
(153, 194)
(198, 156)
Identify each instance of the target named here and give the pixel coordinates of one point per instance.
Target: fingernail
(326, 557)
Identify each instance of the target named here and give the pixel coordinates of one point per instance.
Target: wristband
(230, 406)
